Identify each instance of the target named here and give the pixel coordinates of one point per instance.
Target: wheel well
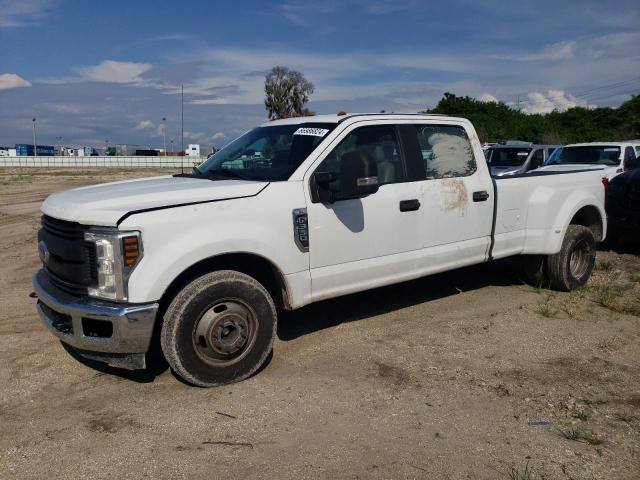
(589, 217)
(253, 265)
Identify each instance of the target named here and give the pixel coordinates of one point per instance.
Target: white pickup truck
(293, 212)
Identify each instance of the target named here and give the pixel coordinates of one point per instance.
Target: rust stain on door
(454, 193)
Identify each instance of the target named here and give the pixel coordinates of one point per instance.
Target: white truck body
(353, 245)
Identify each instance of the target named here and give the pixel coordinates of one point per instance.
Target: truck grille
(72, 261)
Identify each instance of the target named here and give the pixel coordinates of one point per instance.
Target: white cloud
(218, 136)
(145, 124)
(11, 80)
(110, 71)
(553, 52)
(488, 98)
(18, 13)
(553, 100)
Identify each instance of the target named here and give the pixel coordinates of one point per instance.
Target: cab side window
(378, 143)
(446, 151)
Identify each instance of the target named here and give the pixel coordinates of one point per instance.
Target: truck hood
(105, 204)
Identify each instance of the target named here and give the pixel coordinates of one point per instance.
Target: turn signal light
(131, 250)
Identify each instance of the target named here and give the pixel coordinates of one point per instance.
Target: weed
(626, 417)
(608, 344)
(545, 307)
(635, 277)
(577, 435)
(21, 178)
(581, 415)
(571, 434)
(524, 473)
(608, 295)
(596, 401)
(605, 265)
(631, 308)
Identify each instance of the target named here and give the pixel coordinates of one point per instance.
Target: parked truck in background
(515, 157)
(293, 212)
(612, 158)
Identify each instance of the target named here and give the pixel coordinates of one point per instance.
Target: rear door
(457, 197)
(360, 243)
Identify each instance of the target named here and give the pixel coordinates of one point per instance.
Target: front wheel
(219, 329)
(571, 267)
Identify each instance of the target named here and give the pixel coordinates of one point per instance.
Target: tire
(219, 329)
(572, 266)
(534, 270)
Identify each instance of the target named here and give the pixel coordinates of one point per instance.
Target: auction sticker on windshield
(314, 132)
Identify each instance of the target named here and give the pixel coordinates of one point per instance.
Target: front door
(361, 243)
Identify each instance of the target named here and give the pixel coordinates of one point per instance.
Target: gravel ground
(469, 374)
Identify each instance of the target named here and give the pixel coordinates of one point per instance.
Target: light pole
(59, 139)
(164, 135)
(35, 149)
(172, 145)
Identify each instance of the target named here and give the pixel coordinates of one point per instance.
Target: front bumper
(116, 334)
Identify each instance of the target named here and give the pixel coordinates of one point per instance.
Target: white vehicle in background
(293, 212)
(514, 157)
(611, 157)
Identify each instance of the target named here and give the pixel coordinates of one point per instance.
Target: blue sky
(92, 71)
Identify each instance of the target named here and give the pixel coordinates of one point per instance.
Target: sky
(97, 72)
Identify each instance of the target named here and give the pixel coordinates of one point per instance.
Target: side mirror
(358, 175)
(358, 178)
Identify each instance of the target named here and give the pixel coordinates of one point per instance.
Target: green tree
(495, 122)
(286, 93)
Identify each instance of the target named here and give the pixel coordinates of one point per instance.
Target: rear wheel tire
(571, 267)
(219, 329)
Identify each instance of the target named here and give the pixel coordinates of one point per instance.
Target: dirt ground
(469, 374)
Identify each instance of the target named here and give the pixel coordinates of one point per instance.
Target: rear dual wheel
(219, 329)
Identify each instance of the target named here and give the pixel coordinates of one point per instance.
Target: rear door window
(446, 151)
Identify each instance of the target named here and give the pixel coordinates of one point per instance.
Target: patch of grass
(546, 308)
(626, 417)
(607, 295)
(631, 308)
(523, 473)
(595, 401)
(579, 435)
(21, 178)
(604, 265)
(635, 277)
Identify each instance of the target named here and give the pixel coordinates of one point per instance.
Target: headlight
(117, 254)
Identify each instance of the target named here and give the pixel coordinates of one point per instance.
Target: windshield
(587, 154)
(507, 157)
(267, 153)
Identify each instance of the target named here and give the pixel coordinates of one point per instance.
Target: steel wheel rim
(225, 332)
(580, 259)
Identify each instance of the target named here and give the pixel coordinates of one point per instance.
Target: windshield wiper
(227, 172)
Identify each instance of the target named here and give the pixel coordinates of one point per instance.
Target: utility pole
(182, 114)
(164, 135)
(35, 148)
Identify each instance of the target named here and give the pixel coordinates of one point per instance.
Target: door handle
(481, 196)
(409, 205)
